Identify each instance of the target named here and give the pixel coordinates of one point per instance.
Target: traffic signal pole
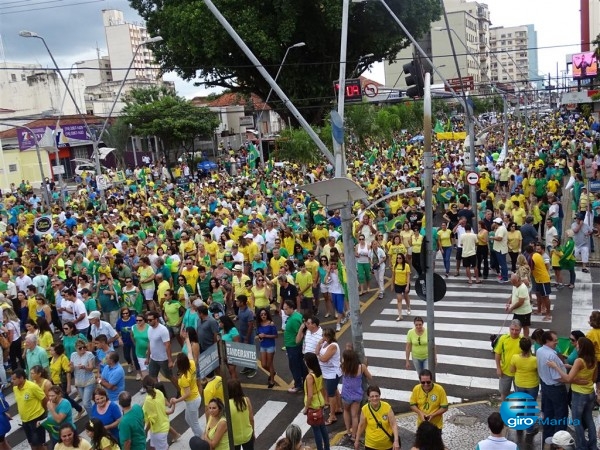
(468, 111)
(427, 185)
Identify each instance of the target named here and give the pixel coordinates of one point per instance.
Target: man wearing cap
(562, 440)
(500, 248)
(582, 232)
(238, 282)
(98, 327)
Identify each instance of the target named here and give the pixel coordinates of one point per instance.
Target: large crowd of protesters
(155, 264)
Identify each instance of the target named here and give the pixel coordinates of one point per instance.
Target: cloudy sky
(73, 30)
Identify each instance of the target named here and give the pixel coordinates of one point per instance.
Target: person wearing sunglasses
(428, 400)
(82, 367)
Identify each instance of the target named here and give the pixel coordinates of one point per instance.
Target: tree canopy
(176, 121)
(197, 47)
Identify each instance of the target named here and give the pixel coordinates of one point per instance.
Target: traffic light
(414, 80)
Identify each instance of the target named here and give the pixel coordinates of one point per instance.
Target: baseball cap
(94, 315)
(563, 438)
(581, 216)
(498, 220)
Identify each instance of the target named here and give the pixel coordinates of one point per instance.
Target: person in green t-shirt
(172, 313)
(293, 348)
(131, 427)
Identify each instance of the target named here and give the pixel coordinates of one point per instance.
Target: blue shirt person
(112, 377)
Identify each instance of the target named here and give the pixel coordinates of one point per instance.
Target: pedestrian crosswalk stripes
(453, 314)
(582, 301)
(440, 341)
(441, 358)
(406, 324)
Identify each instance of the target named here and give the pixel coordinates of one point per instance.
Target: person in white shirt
(312, 333)
(98, 327)
(551, 233)
(497, 440)
(22, 280)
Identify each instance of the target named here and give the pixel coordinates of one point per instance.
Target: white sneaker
(338, 327)
(129, 369)
(142, 391)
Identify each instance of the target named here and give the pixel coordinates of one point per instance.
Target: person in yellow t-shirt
(524, 367)
(100, 437)
(186, 367)
(507, 346)
(155, 414)
(304, 283)
(213, 389)
(428, 400)
(29, 398)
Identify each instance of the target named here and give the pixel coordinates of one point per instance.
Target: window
(12, 167)
(23, 77)
(13, 77)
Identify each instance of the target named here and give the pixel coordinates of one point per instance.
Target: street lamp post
(45, 192)
(262, 110)
(96, 137)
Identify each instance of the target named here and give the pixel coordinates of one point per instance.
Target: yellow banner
(451, 136)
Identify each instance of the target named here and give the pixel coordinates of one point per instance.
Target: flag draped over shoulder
(253, 155)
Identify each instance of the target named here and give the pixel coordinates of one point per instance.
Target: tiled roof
(236, 99)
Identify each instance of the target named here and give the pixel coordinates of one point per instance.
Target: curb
(337, 438)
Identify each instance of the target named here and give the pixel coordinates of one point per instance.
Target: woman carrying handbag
(314, 401)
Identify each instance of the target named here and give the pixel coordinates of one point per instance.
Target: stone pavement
(464, 426)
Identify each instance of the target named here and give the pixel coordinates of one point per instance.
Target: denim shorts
(331, 385)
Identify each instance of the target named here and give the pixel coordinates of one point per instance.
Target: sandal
(331, 420)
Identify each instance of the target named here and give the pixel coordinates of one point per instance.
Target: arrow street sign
(472, 178)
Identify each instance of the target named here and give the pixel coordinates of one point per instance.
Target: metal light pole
(361, 59)
(45, 192)
(338, 151)
(265, 74)
(96, 137)
(259, 120)
(133, 145)
(427, 185)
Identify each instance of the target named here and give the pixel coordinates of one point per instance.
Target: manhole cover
(464, 420)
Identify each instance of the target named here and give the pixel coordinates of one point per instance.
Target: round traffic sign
(439, 287)
(370, 90)
(472, 178)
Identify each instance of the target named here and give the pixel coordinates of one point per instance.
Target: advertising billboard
(585, 65)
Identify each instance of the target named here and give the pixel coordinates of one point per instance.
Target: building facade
(105, 74)
(29, 89)
(469, 27)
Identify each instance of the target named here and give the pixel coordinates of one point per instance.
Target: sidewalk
(464, 426)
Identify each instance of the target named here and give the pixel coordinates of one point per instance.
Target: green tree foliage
(295, 145)
(176, 121)
(487, 104)
(196, 46)
(117, 137)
